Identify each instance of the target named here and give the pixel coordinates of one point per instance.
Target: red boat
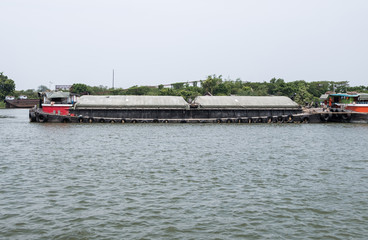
(57, 102)
(340, 102)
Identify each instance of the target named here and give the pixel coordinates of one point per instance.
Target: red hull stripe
(62, 109)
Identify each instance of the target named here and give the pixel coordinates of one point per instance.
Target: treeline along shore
(301, 91)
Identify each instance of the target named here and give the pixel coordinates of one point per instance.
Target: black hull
(196, 116)
(182, 114)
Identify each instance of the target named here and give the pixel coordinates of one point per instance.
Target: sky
(152, 42)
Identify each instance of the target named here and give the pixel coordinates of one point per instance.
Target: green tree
(222, 89)
(7, 86)
(99, 90)
(177, 86)
(30, 93)
(318, 88)
(135, 90)
(80, 88)
(211, 83)
(42, 88)
(279, 87)
(236, 86)
(117, 91)
(359, 89)
(303, 97)
(168, 92)
(341, 86)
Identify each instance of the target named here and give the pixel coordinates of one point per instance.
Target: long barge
(166, 109)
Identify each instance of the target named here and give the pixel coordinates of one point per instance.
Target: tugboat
(56, 104)
(345, 107)
(340, 102)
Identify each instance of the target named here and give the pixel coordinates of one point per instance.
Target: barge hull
(196, 116)
(167, 114)
(230, 109)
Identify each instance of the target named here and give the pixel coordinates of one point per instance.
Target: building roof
(344, 95)
(323, 97)
(245, 102)
(119, 101)
(362, 96)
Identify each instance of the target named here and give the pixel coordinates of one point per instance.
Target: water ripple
(204, 181)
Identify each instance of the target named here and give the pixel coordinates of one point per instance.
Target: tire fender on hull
(346, 117)
(66, 120)
(290, 118)
(325, 117)
(305, 120)
(42, 118)
(32, 117)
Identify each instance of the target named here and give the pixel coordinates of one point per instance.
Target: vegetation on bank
(7, 86)
(300, 91)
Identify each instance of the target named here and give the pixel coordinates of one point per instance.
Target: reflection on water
(182, 181)
(5, 116)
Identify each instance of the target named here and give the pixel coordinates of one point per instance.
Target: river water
(182, 181)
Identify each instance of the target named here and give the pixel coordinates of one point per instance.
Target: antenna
(113, 78)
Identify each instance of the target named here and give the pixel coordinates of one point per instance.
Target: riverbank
(2, 105)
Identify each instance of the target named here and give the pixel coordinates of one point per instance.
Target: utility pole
(113, 78)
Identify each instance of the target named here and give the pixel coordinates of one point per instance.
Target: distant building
(62, 87)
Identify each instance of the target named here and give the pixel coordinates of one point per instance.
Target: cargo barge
(62, 107)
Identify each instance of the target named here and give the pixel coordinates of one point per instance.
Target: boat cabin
(57, 102)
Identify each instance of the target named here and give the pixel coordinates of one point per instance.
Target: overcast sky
(152, 42)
